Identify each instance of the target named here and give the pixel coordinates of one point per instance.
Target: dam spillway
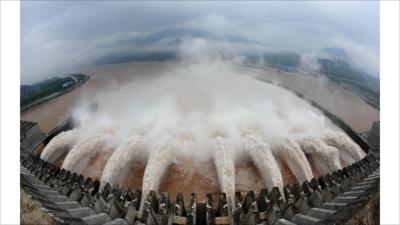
(185, 118)
(153, 201)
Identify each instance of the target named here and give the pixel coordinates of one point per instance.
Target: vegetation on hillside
(46, 88)
(282, 59)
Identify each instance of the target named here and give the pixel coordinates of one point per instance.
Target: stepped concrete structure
(30, 132)
(326, 200)
(72, 199)
(374, 137)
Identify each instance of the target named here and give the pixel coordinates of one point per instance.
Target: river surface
(185, 177)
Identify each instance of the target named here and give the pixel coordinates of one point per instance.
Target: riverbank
(77, 83)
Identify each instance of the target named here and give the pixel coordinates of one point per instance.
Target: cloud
(363, 56)
(55, 37)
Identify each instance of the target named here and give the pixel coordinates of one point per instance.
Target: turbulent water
(290, 152)
(325, 158)
(224, 158)
(59, 146)
(79, 157)
(205, 113)
(350, 151)
(120, 162)
(261, 154)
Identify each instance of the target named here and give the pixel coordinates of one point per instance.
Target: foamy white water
(261, 154)
(348, 150)
(157, 165)
(120, 162)
(224, 159)
(78, 158)
(290, 152)
(59, 146)
(325, 158)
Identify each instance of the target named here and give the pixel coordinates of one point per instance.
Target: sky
(55, 36)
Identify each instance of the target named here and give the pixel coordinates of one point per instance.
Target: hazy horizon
(59, 38)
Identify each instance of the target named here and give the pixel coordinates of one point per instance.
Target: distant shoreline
(52, 96)
(348, 87)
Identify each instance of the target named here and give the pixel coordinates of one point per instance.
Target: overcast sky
(55, 35)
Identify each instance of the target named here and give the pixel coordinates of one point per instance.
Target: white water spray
(348, 150)
(325, 158)
(78, 158)
(224, 159)
(261, 154)
(59, 146)
(157, 165)
(290, 152)
(120, 162)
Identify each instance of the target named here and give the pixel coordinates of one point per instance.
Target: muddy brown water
(184, 177)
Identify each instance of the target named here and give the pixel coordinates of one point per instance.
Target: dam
(73, 198)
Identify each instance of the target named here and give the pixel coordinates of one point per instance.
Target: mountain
(138, 57)
(179, 33)
(333, 63)
(164, 45)
(161, 45)
(335, 53)
(174, 37)
(282, 59)
(337, 69)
